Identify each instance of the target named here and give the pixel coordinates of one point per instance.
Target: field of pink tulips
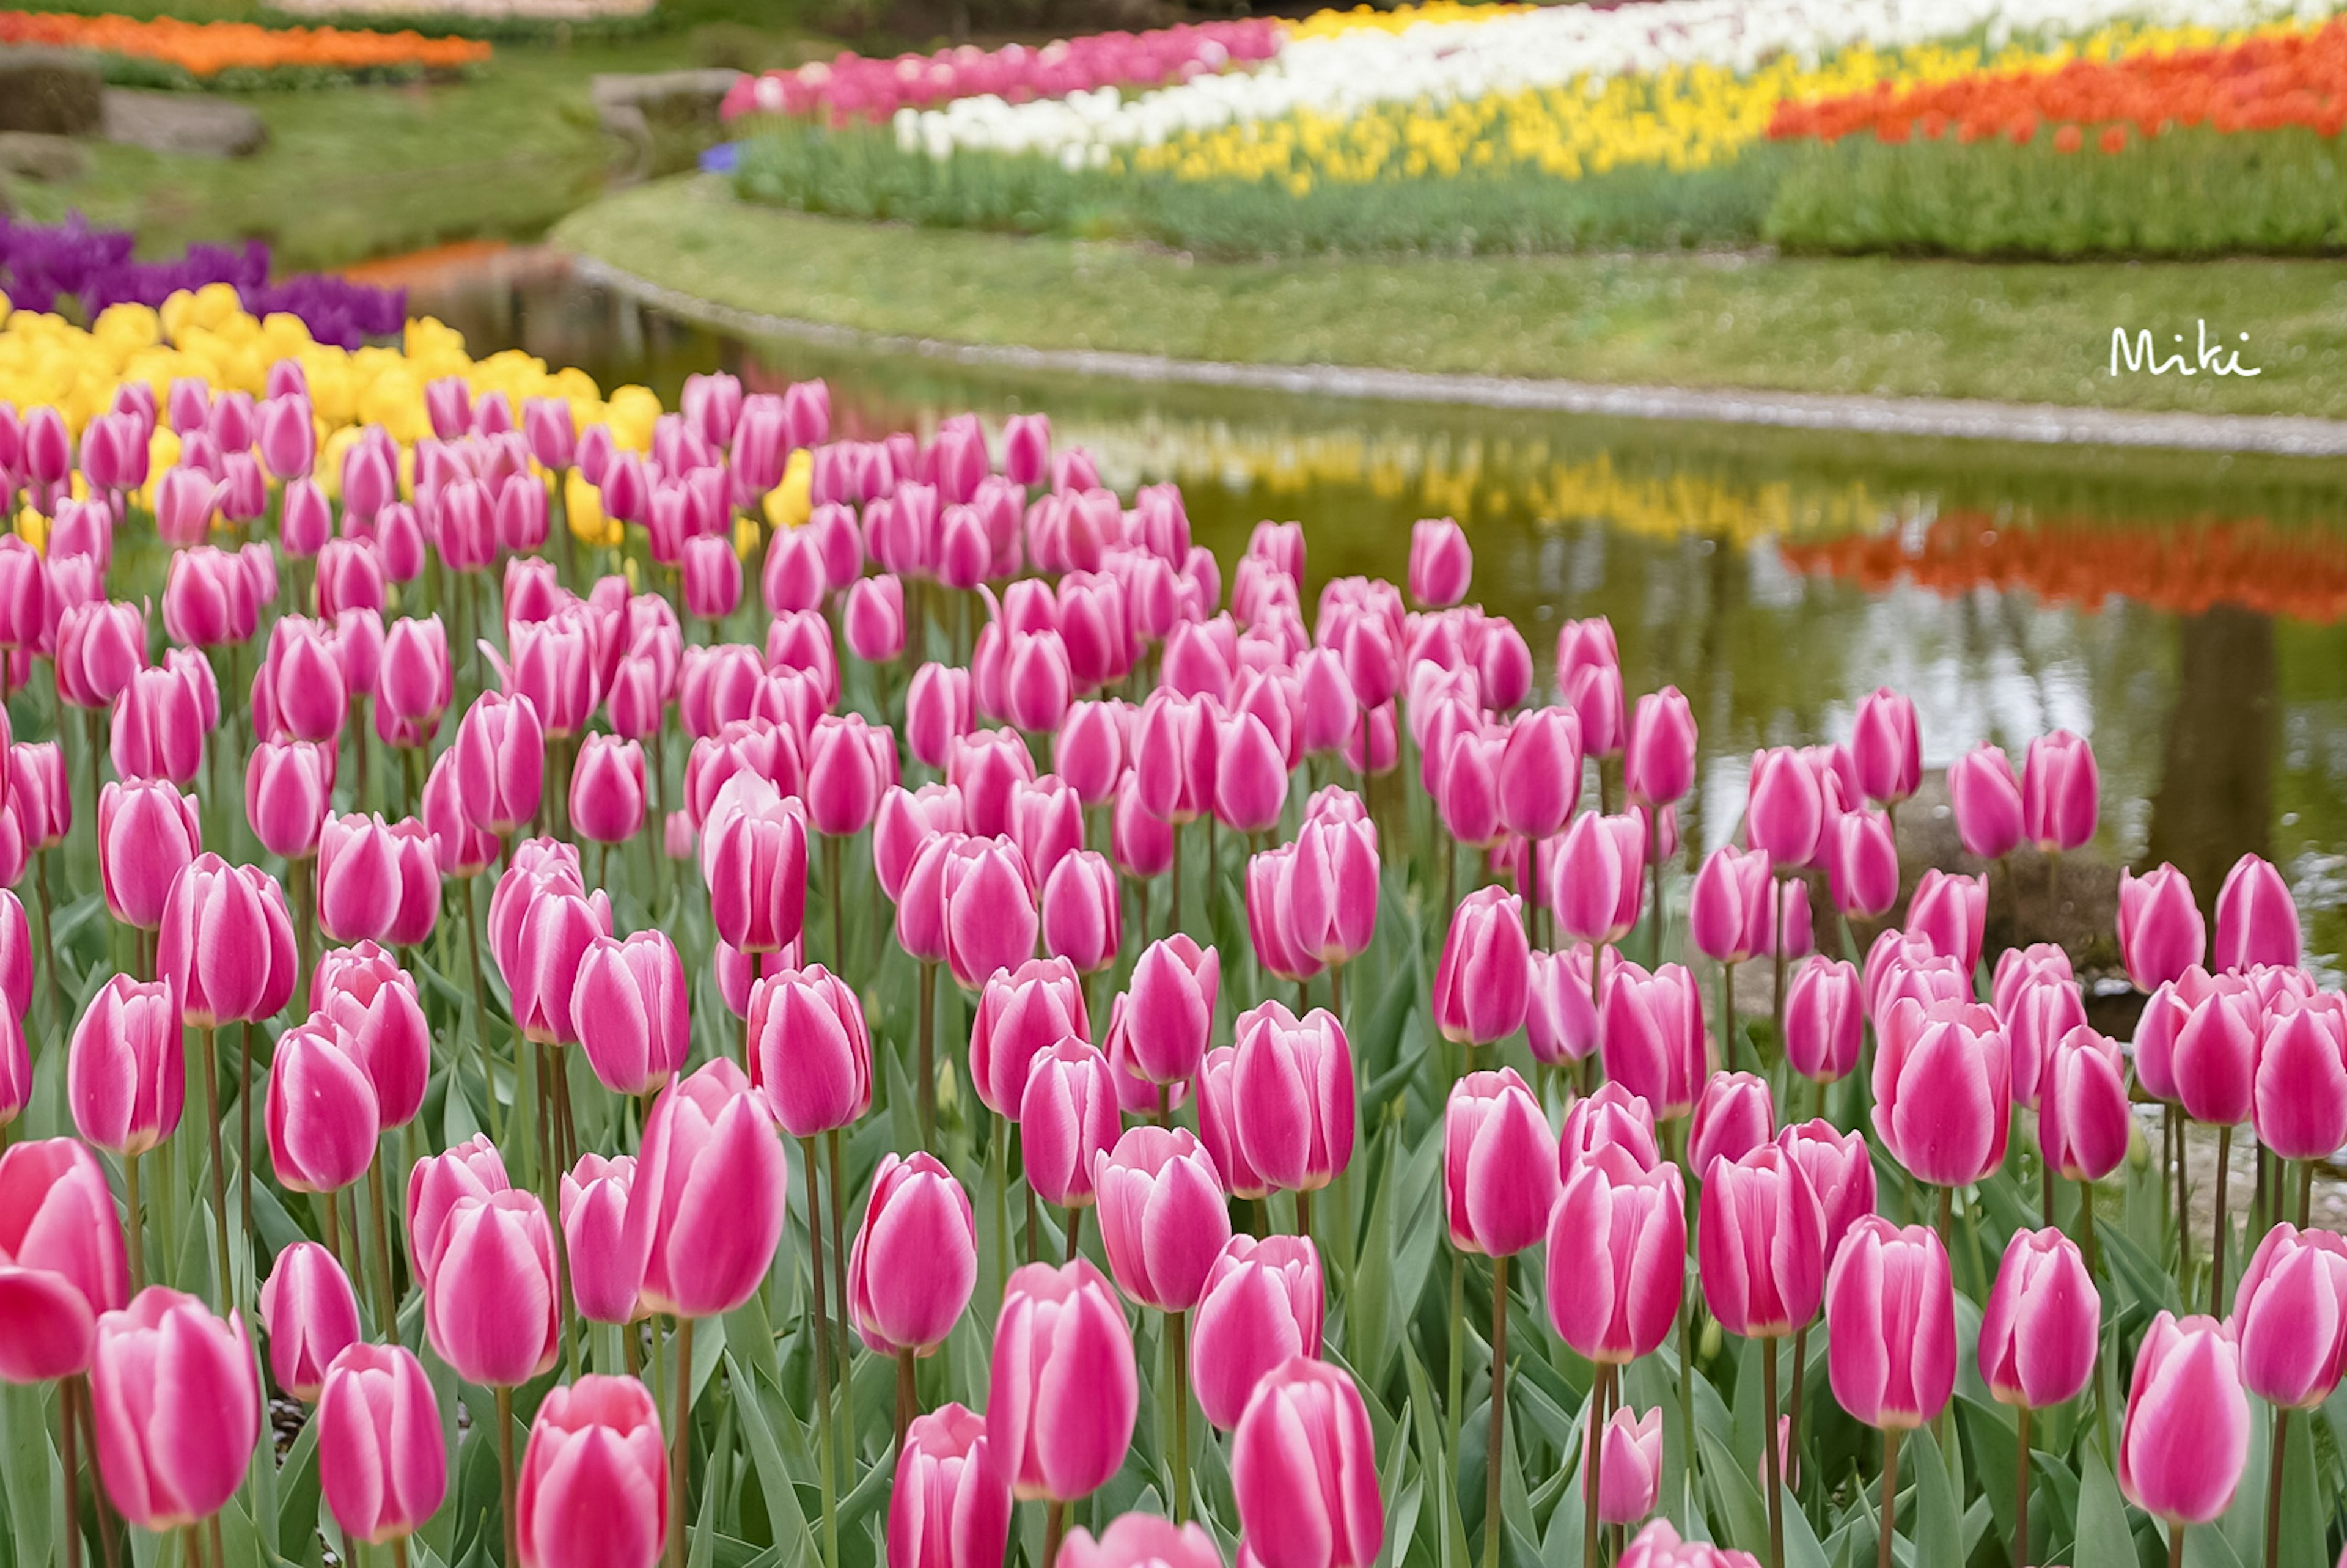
(588, 983)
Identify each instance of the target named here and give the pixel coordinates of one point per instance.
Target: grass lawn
(2013, 332)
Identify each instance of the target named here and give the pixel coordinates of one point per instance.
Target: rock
(54, 92)
(191, 125)
(47, 158)
(632, 107)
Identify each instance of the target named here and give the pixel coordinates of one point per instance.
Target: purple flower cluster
(39, 264)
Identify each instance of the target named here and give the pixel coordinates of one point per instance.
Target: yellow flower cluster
(207, 334)
(1680, 118)
(1326, 24)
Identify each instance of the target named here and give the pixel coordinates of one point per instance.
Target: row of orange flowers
(2264, 83)
(2301, 573)
(208, 48)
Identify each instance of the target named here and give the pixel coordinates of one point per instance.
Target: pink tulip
(62, 1261)
(711, 578)
(1951, 913)
(2256, 920)
(500, 762)
(1943, 1092)
(1824, 1023)
(1653, 1039)
(1658, 761)
(383, 1466)
(311, 1316)
(809, 1052)
(985, 912)
(489, 1294)
(1083, 915)
(1022, 1013)
(123, 1078)
(147, 832)
(707, 1207)
(605, 1275)
(177, 1409)
(1731, 907)
(99, 646)
(288, 786)
(1987, 802)
(2039, 1330)
(1068, 1120)
(1890, 1325)
(1263, 1304)
(1441, 562)
(323, 1116)
(1047, 823)
(915, 1258)
(2083, 1121)
(875, 618)
(2214, 1058)
(1539, 772)
(437, 1184)
(1499, 1168)
(937, 712)
(753, 860)
(593, 1491)
(843, 780)
(1140, 1540)
(1599, 876)
(1218, 1121)
(2185, 1437)
(226, 947)
(950, 1505)
(1760, 1243)
(1173, 1008)
(1632, 1468)
(1861, 855)
(1482, 983)
(1329, 895)
(2040, 1013)
(2161, 934)
(1304, 1470)
(629, 1004)
(607, 789)
(1787, 815)
(1064, 1393)
(1734, 1115)
(1841, 1171)
(2060, 792)
(1292, 1087)
(1162, 1215)
(1887, 747)
(2290, 1313)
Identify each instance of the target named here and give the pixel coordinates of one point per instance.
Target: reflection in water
(2188, 613)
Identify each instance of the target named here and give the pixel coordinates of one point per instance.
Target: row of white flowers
(1443, 61)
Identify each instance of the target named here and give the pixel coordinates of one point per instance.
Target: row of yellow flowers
(1679, 118)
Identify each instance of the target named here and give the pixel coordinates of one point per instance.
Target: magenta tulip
(2186, 1438)
(2289, 1311)
(177, 1409)
(2041, 1323)
(810, 1055)
(1263, 1304)
(593, 1489)
(1162, 1215)
(1499, 1163)
(1987, 802)
(1304, 1470)
(605, 1276)
(2161, 934)
(915, 1258)
(708, 1203)
(1890, 1325)
(950, 1505)
(1887, 747)
(2084, 1125)
(1652, 1037)
(383, 1466)
(311, 1316)
(2256, 920)
(1760, 1243)
(1064, 1392)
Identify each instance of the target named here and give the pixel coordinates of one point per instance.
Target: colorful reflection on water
(2187, 612)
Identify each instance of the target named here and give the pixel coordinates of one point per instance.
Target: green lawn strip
(2013, 332)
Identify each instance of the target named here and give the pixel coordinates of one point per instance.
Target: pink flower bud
(915, 1258)
(1890, 1325)
(311, 1316)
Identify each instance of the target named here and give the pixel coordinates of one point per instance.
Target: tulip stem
(2175, 1543)
(1728, 1015)
(213, 1529)
(1777, 941)
(1593, 1461)
(134, 1225)
(832, 882)
(481, 1012)
(2305, 1191)
(70, 1459)
(2086, 1225)
(1654, 886)
(908, 1398)
(1891, 1436)
(1793, 1409)
(2217, 1244)
(1055, 1528)
(1075, 1234)
(1177, 1344)
(78, 1388)
(1458, 1356)
(2273, 1487)
(245, 1112)
(506, 1478)
(220, 1172)
(1000, 1161)
(822, 1329)
(399, 1552)
(1774, 1452)
(1304, 1213)
(1493, 1469)
(387, 1290)
(929, 1058)
(48, 945)
(679, 1460)
(2021, 1495)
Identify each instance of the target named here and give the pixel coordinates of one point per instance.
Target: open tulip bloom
(1405, 1160)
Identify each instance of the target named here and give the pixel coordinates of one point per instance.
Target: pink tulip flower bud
(875, 618)
(2083, 1121)
(1652, 1036)
(1824, 1023)
(1760, 1243)
(708, 1203)
(1658, 763)
(24, 595)
(1890, 1325)
(66, 1263)
(1734, 1115)
(1861, 857)
(712, 576)
(985, 913)
(2289, 1311)
(383, 1466)
(416, 682)
(809, 1052)
(322, 1115)
(2060, 792)
(2161, 933)
(147, 832)
(1951, 913)
(753, 861)
(159, 728)
(1887, 746)
(629, 1004)
(915, 1258)
(2039, 1327)
(124, 1078)
(359, 882)
(904, 821)
(226, 947)
(1292, 1092)
(1064, 1392)
(207, 599)
(436, 1182)
(1598, 878)
(1500, 1166)
(1943, 1090)
(1987, 801)
(500, 762)
(2256, 920)
(1089, 750)
(311, 1316)
(605, 1275)
(1263, 1304)
(1840, 1172)
(1173, 1008)
(2300, 1094)
(288, 785)
(594, 1479)
(1729, 909)
(1482, 983)
(1329, 895)
(1068, 1116)
(1441, 562)
(950, 1506)
(1082, 914)
(1539, 772)
(1140, 1540)
(2215, 1055)
(2186, 1438)
(1162, 1215)
(459, 848)
(1142, 844)
(1631, 1467)
(489, 1295)
(373, 1003)
(1304, 1470)
(1787, 815)
(607, 789)
(988, 767)
(177, 1409)
(937, 712)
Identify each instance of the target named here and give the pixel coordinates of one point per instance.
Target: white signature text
(2213, 357)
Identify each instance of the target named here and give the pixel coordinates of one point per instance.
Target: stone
(642, 109)
(192, 125)
(30, 155)
(53, 92)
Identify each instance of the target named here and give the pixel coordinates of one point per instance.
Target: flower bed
(241, 53)
(515, 19)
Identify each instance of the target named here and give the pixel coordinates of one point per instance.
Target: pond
(2186, 612)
